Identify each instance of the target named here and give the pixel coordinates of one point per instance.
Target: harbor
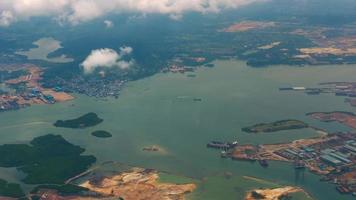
(340, 89)
(333, 157)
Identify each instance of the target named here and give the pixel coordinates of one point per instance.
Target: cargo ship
(285, 88)
(221, 145)
(313, 92)
(343, 190)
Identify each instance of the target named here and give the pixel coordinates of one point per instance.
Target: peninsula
(48, 159)
(132, 183)
(271, 194)
(144, 181)
(345, 118)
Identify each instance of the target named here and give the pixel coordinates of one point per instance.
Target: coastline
(120, 124)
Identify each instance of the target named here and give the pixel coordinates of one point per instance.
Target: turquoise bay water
(160, 110)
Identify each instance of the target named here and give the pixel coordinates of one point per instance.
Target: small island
(10, 190)
(276, 126)
(155, 148)
(87, 120)
(48, 159)
(101, 134)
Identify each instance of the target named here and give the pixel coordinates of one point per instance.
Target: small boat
(224, 154)
(263, 163)
(235, 143)
(313, 92)
(191, 75)
(343, 190)
(299, 165)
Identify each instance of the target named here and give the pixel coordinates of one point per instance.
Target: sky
(77, 11)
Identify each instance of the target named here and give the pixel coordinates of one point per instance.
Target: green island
(276, 126)
(87, 120)
(10, 189)
(332, 112)
(48, 159)
(101, 134)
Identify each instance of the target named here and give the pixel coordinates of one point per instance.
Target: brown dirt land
(32, 80)
(271, 194)
(328, 51)
(59, 96)
(244, 152)
(248, 25)
(139, 184)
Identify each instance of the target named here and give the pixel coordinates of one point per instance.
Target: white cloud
(125, 50)
(76, 11)
(176, 16)
(107, 58)
(6, 18)
(108, 24)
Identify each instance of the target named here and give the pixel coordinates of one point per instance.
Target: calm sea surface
(160, 110)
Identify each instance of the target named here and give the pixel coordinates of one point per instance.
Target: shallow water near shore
(161, 110)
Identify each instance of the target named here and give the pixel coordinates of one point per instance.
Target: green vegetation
(67, 189)
(275, 126)
(7, 75)
(49, 159)
(19, 87)
(101, 134)
(87, 120)
(194, 36)
(33, 197)
(10, 189)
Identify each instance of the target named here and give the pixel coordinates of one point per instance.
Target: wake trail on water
(25, 124)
